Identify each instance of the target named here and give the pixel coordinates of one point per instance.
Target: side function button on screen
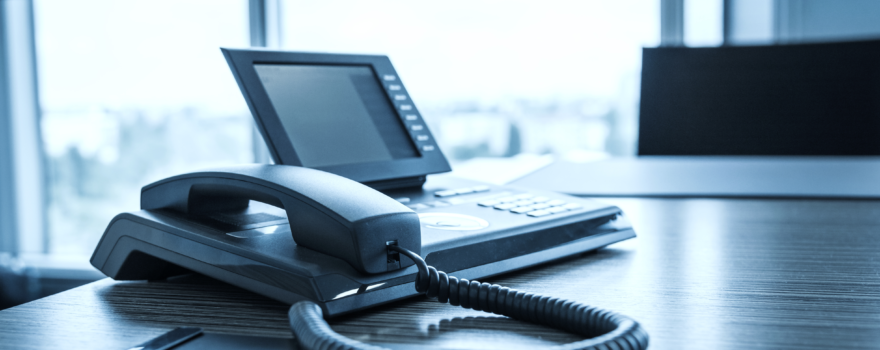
(394, 87)
(411, 117)
(417, 127)
(389, 77)
(400, 97)
(405, 107)
(427, 148)
(422, 137)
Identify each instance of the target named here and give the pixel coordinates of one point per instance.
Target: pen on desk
(170, 339)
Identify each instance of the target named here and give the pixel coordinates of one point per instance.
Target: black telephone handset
(327, 213)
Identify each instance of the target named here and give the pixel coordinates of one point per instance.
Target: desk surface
(703, 274)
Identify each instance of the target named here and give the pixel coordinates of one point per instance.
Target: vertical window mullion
(22, 181)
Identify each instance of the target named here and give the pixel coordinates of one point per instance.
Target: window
(703, 22)
(498, 78)
(132, 92)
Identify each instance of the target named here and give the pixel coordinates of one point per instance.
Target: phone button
(446, 193)
(538, 213)
(453, 222)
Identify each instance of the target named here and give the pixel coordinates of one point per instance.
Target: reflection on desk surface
(703, 273)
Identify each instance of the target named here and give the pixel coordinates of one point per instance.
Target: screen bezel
(242, 62)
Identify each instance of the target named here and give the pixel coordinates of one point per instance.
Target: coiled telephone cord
(605, 329)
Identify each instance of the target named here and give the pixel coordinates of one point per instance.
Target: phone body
(260, 240)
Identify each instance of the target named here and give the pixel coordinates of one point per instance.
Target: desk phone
(342, 220)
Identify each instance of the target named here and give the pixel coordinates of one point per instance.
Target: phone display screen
(335, 114)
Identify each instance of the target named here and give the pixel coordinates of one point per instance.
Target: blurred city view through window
(135, 91)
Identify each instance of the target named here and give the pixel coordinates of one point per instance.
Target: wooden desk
(703, 274)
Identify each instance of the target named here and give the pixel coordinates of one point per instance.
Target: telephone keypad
(530, 205)
(523, 203)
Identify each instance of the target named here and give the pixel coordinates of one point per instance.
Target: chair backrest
(810, 99)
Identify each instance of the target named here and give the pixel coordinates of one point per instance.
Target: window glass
(704, 22)
(497, 78)
(132, 92)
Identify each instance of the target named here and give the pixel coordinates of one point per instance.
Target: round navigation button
(455, 222)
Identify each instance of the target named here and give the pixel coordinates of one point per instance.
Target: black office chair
(810, 99)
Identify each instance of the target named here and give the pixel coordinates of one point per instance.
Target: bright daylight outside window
(132, 92)
(499, 78)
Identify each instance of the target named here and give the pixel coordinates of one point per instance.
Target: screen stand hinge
(395, 184)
